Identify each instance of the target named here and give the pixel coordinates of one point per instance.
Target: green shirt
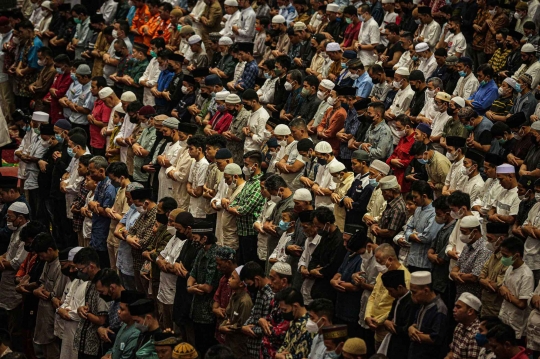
(126, 342)
(249, 203)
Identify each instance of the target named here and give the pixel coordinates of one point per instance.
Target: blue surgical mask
(58, 137)
(518, 88)
(284, 225)
(481, 339)
(414, 58)
(331, 355)
(483, 83)
(70, 152)
(73, 77)
(423, 161)
(267, 75)
(462, 73)
(373, 182)
(59, 71)
(27, 128)
(343, 65)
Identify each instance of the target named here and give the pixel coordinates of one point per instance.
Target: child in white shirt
(287, 224)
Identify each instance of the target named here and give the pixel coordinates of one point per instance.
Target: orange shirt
(150, 28)
(163, 30)
(142, 15)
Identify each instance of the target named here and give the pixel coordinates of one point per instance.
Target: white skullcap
(536, 125)
(282, 268)
(19, 207)
(471, 300)
(421, 278)
(335, 167)
(469, 222)
(421, 47)
(171, 122)
(333, 46)
(128, 97)
(302, 194)
(327, 84)
(389, 182)
(524, 48)
(332, 8)
(72, 253)
(403, 71)
(39, 116)
(282, 130)
(239, 269)
(225, 40)
(459, 101)
(506, 168)
(278, 19)
(299, 26)
(222, 95)
(47, 5)
(380, 166)
(232, 169)
(231, 3)
(194, 39)
(511, 82)
(323, 147)
(388, 1)
(233, 98)
(105, 92)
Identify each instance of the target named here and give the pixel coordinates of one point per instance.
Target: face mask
(83, 276)
(466, 171)
(492, 12)
(451, 156)
(366, 255)
(307, 159)
(248, 107)
(283, 143)
(16, 40)
(28, 248)
(422, 161)
(77, 20)
(322, 161)
(373, 182)
(469, 127)
(267, 75)
(59, 71)
(68, 273)
(458, 215)
(45, 144)
(440, 220)
(331, 101)
(337, 179)
(417, 21)
(354, 76)
(142, 328)
(73, 77)
(414, 58)
(381, 268)
(462, 73)
(106, 298)
(162, 218)
(221, 108)
(537, 197)
(140, 209)
(247, 171)
(321, 95)
(70, 152)
(288, 316)
(305, 92)
(481, 339)
(37, 131)
(185, 90)
(396, 84)
(500, 91)
(348, 20)
(275, 199)
(466, 238)
(507, 261)
(483, 83)
(288, 86)
(27, 128)
(430, 93)
(118, 53)
(343, 65)
(11, 226)
(312, 326)
(181, 236)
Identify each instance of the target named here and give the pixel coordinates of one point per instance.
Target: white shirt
(402, 101)
(32, 171)
(197, 178)
(455, 43)
(369, 35)
(262, 238)
(389, 18)
(490, 193)
(75, 298)
(428, 66)
(404, 61)
(165, 183)
(309, 247)
(234, 19)
(455, 179)
(520, 282)
(532, 245)
(125, 131)
(246, 29)
(110, 124)
(266, 92)
(431, 33)
(151, 75)
(324, 180)
(279, 251)
(466, 86)
(438, 123)
(167, 281)
(507, 203)
(257, 126)
(292, 156)
(533, 70)
(108, 10)
(429, 108)
(473, 187)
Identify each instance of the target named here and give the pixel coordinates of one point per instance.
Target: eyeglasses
(82, 270)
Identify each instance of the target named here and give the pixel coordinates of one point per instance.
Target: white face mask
(331, 101)
(45, 144)
(354, 76)
(431, 93)
(396, 84)
(16, 40)
(41, 62)
(466, 238)
(319, 17)
(247, 171)
(283, 143)
(458, 215)
(275, 199)
(466, 171)
(288, 86)
(451, 156)
(185, 90)
(537, 197)
(171, 230)
(144, 125)
(321, 95)
(367, 255)
(401, 133)
(492, 12)
(140, 209)
(337, 179)
(312, 327)
(115, 34)
(11, 226)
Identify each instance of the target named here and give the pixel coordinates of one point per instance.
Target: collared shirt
(257, 126)
(197, 178)
(471, 261)
(520, 282)
(143, 229)
(261, 308)
(246, 30)
(369, 35)
(233, 20)
(318, 349)
(249, 203)
(473, 187)
(394, 215)
(455, 43)
(437, 169)
(297, 343)
(250, 73)
(507, 202)
(324, 180)
(380, 137)
(428, 66)
(498, 60)
(440, 271)
(124, 260)
(402, 100)
(105, 194)
(86, 100)
(464, 345)
(532, 245)
(455, 179)
(483, 98)
(72, 94)
(425, 227)
(493, 270)
(431, 33)
(430, 319)
(167, 281)
(466, 86)
(364, 85)
(289, 13)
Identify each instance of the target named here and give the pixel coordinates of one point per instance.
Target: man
(441, 103)
(437, 167)
(453, 39)
(109, 287)
(378, 141)
(517, 286)
(487, 92)
(467, 83)
(49, 292)
(506, 206)
(298, 339)
(464, 344)
(323, 186)
(247, 80)
(504, 344)
(77, 109)
(369, 36)
(197, 176)
(320, 316)
(471, 260)
(394, 215)
(245, 31)
(530, 64)
(17, 217)
(292, 163)
(418, 84)
(253, 275)
(255, 130)
(421, 231)
(380, 300)
(472, 163)
(428, 64)
(455, 179)
(397, 340)
(126, 340)
(428, 331)
(403, 98)
(431, 29)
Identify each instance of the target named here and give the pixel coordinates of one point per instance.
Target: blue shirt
(251, 71)
(32, 57)
(163, 82)
(289, 13)
(484, 97)
(424, 225)
(363, 85)
(131, 14)
(124, 261)
(105, 194)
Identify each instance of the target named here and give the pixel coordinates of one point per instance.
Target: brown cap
(335, 331)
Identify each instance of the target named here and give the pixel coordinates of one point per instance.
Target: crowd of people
(270, 179)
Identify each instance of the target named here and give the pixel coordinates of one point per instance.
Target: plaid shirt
(498, 60)
(251, 71)
(479, 37)
(464, 345)
(79, 203)
(249, 203)
(499, 22)
(394, 216)
(261, 308)
(205, 272)
(143, 229)
(471, 261)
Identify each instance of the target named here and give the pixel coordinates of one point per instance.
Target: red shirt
(61, 84)
(221, 122)
(101, 113)
(222, 296)
(401, 152)
(523, 354)
(351, 34)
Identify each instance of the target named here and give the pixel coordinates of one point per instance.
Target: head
(87, 263)
(502, 341)
(512, 249)
(45, 247)
(291, 303)
(252, 274)
(108, 285)
(323, 219)
(321, 312)
(97, 168)
(422, 193)
(252, 161)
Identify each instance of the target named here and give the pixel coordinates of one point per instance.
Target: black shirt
(418, 101)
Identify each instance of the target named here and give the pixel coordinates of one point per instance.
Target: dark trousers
(104, 261)
(204, 336)
(212, 218)
(247, 250)
(33, 201)
(369, 337)
(62, 226)
(97, 151)
(413, 269)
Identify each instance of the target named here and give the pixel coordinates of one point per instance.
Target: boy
(213, 175)
(113, 150)
(237, 312)
(287, 225)
(80, 200)
(197, 176)
(399, 239)
(90, 186)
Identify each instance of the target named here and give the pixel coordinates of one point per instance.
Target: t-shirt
(197, 178)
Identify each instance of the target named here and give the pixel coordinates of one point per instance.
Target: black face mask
(106, 298)
(500, 44)
(537, 94)
(181, 236)
(453, 31)
(450, 111)
(68, 273)
(28, 248)
(162, 218)
(322, 161)
(248, 107)
(170, 68)
(167, 138)
(83, 276)
(369, 118)
(118, 54)
(268, 43)
(509, 46)
(375, 81)
(252, 289)
(205, 95)
(234, 112)
(133, 120)
(414, 88)
(287, 316)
